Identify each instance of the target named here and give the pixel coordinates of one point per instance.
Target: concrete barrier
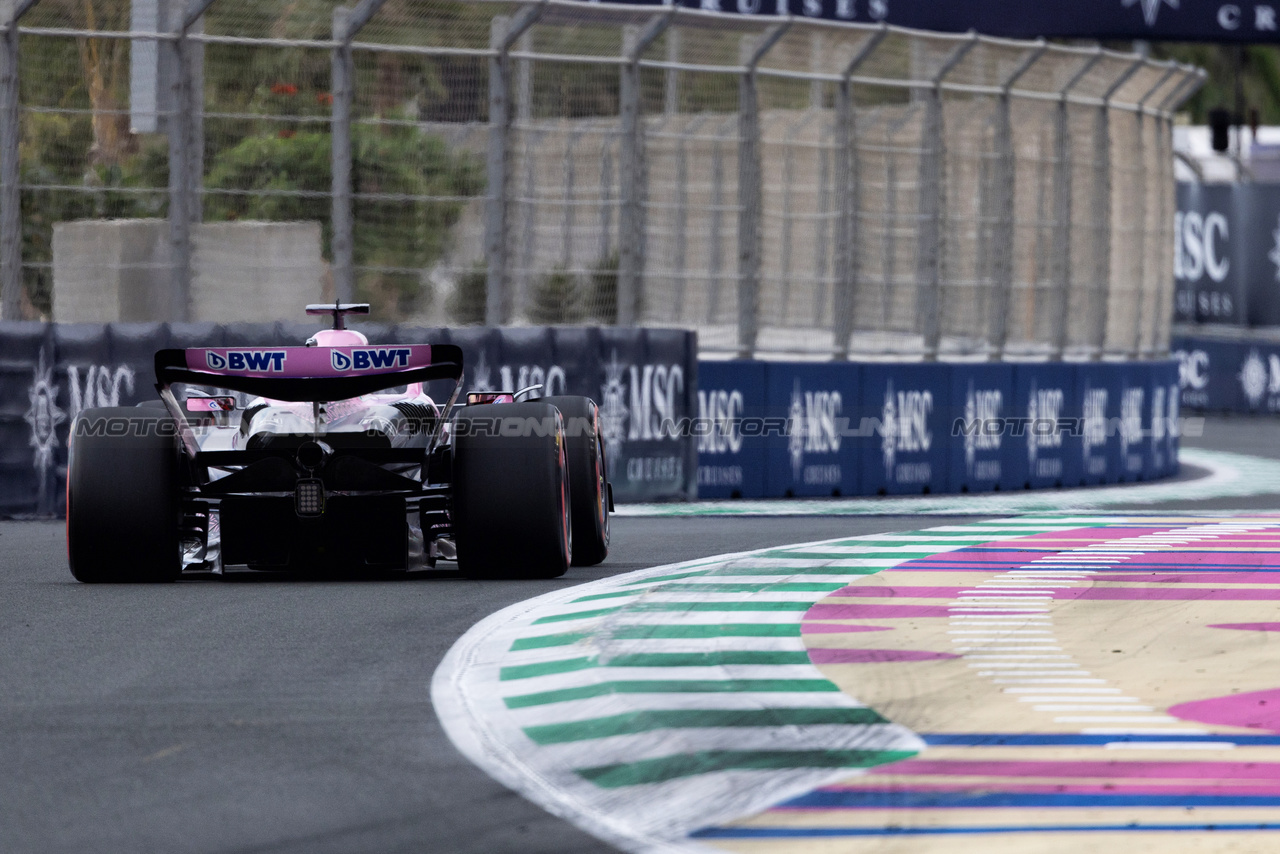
(119, 270)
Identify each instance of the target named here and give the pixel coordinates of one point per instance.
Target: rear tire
(588, 478)
(511, 492)
(123, 506)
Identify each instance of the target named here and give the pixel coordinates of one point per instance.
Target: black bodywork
(374, 495)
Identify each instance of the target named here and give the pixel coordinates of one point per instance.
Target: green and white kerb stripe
(644, 706)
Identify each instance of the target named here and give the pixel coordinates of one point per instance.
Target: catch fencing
(782, 185)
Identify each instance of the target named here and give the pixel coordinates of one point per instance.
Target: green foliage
(1259, 74)
(468, 301)
(52, 157)
(604, 290)
(288, 177)
(557, 298)
(575, 91)
(244, 79)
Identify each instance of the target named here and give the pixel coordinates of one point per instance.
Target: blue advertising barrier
(1163, 424)
(1228, 376)
(982, 402)
(645, 381)
(1137, 388)
(730, 434)
(757, 428)
(814, 455)
(909, 453)
(1225, 260)
(895, 429)
(1099, 388)
(1046, 402)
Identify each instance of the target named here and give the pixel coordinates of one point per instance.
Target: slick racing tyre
(588, 479)
(123, 508)
(511, 491)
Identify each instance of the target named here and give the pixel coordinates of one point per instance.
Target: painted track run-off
(1035, 683)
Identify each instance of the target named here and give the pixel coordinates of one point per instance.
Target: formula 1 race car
(333, 456)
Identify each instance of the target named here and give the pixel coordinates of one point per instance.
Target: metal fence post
(1005, 183)
(933, 206)
(346, 24)
(502, 35)
(1102, 186)
(681, 253)
(10, 174)
(1162, 316)
(848, 198)
(184, 180)
(788, 182)
(671, 89)
(1145, 167)
(631, 224)
(523, 205)
(1193, 79)
(193, 52)
(342, 217)
(715, 261)
(817, 62)
(750, 191)
(1060, 264)
(179, 185)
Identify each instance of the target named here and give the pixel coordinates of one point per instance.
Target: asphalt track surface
(274, 714)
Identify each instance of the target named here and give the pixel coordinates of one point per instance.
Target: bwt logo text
(261, 361)
(370, 359)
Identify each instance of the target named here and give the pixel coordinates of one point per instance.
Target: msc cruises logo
(1131, 405)
(1151, 8)
(1094, 426)
(813, 428)
(904, 429)
(981, 406)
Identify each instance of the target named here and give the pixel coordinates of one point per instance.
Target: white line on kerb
(1168, 745)
(1063, 690)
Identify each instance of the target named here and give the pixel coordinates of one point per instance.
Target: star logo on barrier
(1275, 250)
(44, 416)
(1254, 377)
(889, 431)
(613, 409)
(483, 376)
(1033, 411)
(970, 437)
(1151, 8)
(796, 431)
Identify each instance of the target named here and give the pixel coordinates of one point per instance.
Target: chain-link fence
(783, 185)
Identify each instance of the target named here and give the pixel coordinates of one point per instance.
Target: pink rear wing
(307, 362)
(309, 373)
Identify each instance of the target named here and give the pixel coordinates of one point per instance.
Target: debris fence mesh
(782, 185)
